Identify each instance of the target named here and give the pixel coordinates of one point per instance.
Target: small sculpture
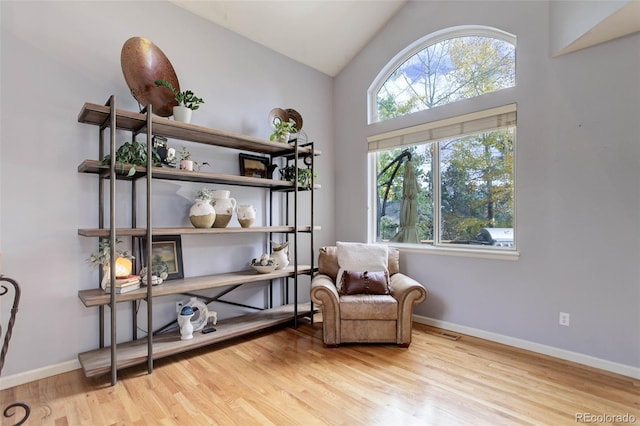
(184, 321)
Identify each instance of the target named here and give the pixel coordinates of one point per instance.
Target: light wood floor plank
(288, 377)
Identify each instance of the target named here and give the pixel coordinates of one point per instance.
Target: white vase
(246, 214)
(202, 214)
(106, 276)
(186, 328)
(224, 207)
(186, 165)
(182, 113)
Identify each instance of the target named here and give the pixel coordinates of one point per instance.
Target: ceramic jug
(224, 207)
(281, 254)
(202, 214)
(246, 215)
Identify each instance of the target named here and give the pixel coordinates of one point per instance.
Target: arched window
(442, 68)
(448, 182)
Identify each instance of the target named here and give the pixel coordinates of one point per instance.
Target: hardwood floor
(287, 377)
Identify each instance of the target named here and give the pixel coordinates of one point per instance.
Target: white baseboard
(38, 373)
(625, 370)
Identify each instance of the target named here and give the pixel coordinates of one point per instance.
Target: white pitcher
(246, 215)
(281, 254)
(224, 207)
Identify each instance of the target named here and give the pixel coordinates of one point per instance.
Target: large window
(447, 182)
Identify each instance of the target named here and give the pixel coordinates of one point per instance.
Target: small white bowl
(264, 269)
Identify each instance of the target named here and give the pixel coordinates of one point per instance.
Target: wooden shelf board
(98, 362)
(99, 115)
(142, 232)
(98, 297)
(170, 173)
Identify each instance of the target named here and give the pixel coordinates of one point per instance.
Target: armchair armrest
(408, 292)
(323, 287)
(325, 294)
(404, 288)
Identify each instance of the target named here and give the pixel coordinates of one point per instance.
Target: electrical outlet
(564, 319)
(179, 306)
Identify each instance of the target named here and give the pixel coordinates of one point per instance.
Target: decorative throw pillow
(360, 257)
(364, 283)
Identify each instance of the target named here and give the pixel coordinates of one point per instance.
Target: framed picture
(166, 254)
(254, 166)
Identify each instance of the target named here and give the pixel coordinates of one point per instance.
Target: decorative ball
(187, 310)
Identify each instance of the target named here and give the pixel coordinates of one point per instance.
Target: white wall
(58, 55)
(578, 174)
(571, 20)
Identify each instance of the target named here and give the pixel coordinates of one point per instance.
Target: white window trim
(481, 253)
(417, 46)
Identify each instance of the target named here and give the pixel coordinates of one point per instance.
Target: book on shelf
(125, 289)
(127, 281)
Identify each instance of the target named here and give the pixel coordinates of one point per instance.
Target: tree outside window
(445, 72)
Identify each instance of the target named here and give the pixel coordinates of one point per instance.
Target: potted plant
(282, 130)
(187, 102)
(304, 175)
(186, 163)
(133, 154)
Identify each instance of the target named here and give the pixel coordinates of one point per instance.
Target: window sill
(495, 254)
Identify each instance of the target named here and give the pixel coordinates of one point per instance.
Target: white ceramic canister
(246, 215)
(202, 214)
(224, 207)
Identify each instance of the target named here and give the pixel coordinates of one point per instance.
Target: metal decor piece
(5, 345)
(142, 64)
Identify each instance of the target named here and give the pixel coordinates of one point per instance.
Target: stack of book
(125, 285)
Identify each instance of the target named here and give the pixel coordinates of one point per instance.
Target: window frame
(425, 119)
(419, 45)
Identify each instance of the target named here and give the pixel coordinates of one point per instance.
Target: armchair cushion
(368, 307)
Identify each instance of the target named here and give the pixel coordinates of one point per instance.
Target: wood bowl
(142, 64)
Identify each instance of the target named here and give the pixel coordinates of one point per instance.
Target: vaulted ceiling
(324, 35)
(327, 34)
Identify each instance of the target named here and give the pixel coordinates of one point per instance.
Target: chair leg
(404, 345)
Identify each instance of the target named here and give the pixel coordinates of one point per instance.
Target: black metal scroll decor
(5, 345)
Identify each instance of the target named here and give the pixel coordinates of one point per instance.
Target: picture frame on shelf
(254, 166)
(167, 250)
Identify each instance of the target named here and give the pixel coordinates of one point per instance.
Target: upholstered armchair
(365, 318)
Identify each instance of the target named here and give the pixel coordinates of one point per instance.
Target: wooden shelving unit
(154, 346)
